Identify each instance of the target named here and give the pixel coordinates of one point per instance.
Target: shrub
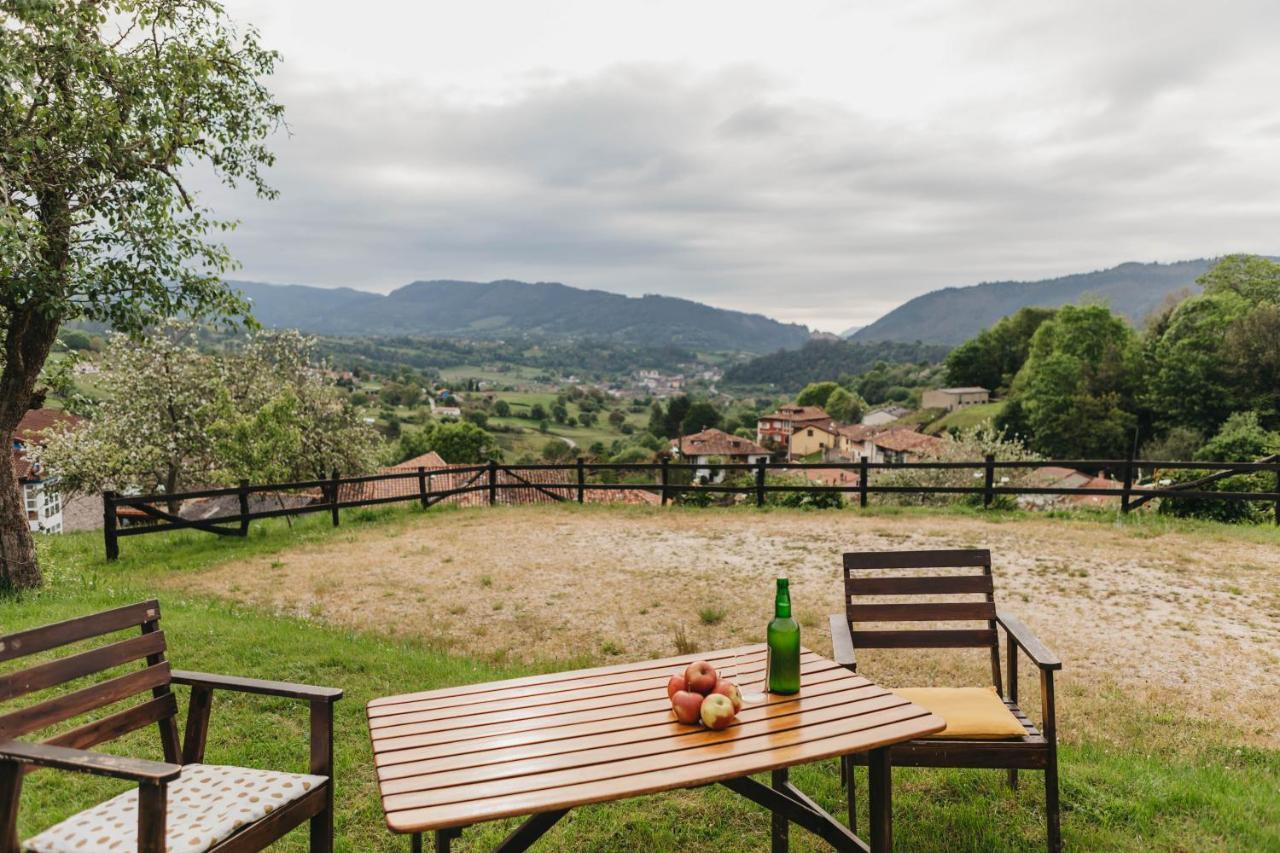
(811, 500)
(970, 445)
(684, 645)
(711, 615)
(1242, 438)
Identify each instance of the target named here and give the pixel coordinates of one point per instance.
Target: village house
(710, 446)
(884, 415)
(900, 445)
(812, 438)
(851, 442)
(40, 496)
(954, 398)
(441, 411)
(776, 428)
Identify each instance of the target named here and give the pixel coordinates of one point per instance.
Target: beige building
(807, 439)
(776, 428)
(954, 398)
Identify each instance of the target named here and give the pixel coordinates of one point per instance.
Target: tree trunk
(18, 566)
(170, 487)
(28, 339)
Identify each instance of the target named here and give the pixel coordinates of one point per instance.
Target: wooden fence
(495, 483)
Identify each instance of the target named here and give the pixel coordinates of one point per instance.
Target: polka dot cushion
(207, 804)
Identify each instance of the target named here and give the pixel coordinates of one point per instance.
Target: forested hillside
(500, 309)
(953, 314)
(817, 360)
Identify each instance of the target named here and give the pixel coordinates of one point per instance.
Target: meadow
(1168, 739)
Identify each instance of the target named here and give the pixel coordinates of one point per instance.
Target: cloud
(1071, 141)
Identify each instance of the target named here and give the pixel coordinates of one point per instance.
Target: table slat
(572, 796)
(501, 750)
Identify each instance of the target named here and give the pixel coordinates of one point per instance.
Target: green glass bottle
(783, 661)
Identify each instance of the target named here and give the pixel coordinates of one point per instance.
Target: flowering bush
(970, 445)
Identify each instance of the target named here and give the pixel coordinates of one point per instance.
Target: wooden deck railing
(496, 483)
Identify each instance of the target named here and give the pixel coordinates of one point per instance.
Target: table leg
(415, 843)
(530, 831)
(780, 830)
(444, 839)
(880, 784)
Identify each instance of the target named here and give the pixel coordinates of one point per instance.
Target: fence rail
(497, 482)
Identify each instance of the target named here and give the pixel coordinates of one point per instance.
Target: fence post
(988, 481)
(422, 486)
(1128, 484)
(109, 525)
(1278, 493)
(244, 507)
(493, 482)
(582, 479)
(333, 496)
(665, 476)
(864, 474)
(760, 463)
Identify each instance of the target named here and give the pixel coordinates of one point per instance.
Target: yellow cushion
(974, 713)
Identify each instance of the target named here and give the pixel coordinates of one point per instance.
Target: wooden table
(539, 746)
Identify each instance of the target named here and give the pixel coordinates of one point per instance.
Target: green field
(512, 374)
(1162, 783)
(966, 418)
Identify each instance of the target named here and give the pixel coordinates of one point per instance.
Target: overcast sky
(819, 162)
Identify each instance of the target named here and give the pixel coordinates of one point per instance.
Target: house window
(52, 503)
(31, 494)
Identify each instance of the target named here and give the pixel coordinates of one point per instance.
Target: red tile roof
(430, 459)
(858, 432)
(22, 466)
(717, 442)
(36, 421)
(908, 441)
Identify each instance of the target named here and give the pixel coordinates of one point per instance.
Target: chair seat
(206, 805)
(972, 713)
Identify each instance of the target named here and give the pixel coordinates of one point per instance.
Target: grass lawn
(1157, 780)
(969, 416)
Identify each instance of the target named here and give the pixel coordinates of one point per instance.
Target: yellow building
(812, 438)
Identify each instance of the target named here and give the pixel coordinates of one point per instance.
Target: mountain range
(955, 314)
(507, 309)
(503, 309)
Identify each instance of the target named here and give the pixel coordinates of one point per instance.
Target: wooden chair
(243, 809)
(865, 577)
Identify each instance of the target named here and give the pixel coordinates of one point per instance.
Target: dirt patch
(1184, 623)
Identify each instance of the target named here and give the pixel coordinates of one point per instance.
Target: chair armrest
(1027, 641)
(842, 642)
(83, 761)
(256, 685)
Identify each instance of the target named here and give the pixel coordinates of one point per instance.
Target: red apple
(717, 711)
(687, 706)
(675, 684)
(700, 677)
(728, 688)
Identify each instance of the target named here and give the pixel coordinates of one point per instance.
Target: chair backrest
(962, 596)
(117, 687)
